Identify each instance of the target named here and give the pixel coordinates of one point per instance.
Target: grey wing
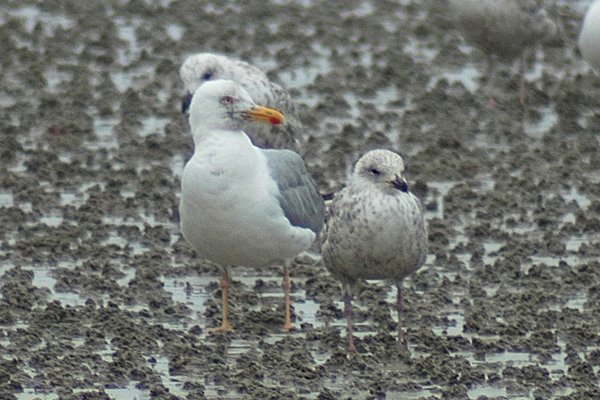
(299, 196)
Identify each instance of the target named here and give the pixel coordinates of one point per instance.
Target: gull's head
(200, 68)
(383, 169)
(204, 67)
(224, 105)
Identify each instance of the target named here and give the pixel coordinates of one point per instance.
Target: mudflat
(100, 296)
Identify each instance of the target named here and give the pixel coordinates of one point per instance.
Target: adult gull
(504, 30)
(375, 230)
(203, 67)
(240, 204)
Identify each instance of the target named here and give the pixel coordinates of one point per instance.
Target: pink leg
(400, 308)
(491, 73)
(522, 72)
(348, 315)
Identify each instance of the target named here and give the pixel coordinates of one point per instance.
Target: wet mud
(100, 296)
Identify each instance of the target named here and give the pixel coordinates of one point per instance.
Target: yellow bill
(265, 114)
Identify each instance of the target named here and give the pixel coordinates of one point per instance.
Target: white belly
(385, 237)
(230, 216)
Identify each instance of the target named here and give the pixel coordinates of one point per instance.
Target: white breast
(229, 208)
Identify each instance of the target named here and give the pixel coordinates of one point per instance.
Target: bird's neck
(231, 150)
(220, 138)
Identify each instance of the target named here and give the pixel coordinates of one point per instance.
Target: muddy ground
(100, 296)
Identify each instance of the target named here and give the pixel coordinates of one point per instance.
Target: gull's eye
(227, 100)
(375, 171)
(207, 76)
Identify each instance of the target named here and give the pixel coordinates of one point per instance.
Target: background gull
(504, 30)
(242, 205)
(204, 67)
(589, 38)
(375, 229)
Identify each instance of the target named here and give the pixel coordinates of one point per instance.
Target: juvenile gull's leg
(348, 315)
(400, 309)
(491, 73)
(522, 69)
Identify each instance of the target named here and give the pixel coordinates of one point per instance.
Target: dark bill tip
(185, 103)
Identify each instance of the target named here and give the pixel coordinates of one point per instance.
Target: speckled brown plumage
(375, 228)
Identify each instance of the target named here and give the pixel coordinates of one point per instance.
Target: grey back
(299, 196)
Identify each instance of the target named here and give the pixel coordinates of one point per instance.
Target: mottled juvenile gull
(375, 229)
(204, 67)
(504, 30)
(242, 205)
(589, 38)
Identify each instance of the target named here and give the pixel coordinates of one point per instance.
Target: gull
(204, 67)
(240, 204)
(589, 38)
(375, 230)
(504, 30)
